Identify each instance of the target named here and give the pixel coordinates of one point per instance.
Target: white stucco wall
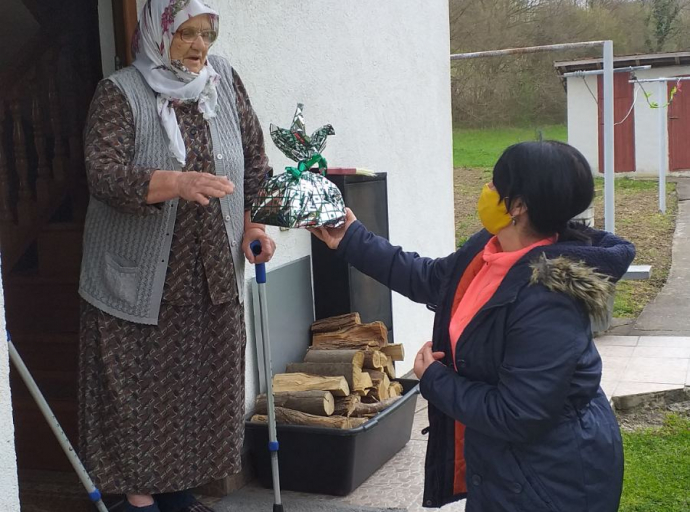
(379, 73)
(9, 488)
(583, 130)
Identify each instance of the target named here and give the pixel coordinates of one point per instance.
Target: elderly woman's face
(191, 42)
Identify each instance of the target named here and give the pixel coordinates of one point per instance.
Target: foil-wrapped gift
(302, 196)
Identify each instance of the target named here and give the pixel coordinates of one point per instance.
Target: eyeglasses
(189, 35)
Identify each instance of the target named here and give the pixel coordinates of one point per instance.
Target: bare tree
(661, 22)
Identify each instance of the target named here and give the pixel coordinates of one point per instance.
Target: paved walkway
(669, 313)
(643, 364)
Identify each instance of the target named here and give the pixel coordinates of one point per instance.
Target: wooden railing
(41, 155)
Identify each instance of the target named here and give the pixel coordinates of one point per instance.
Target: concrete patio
(643, 364)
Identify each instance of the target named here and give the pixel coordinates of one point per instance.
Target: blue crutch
(268, 376)
(94, 493)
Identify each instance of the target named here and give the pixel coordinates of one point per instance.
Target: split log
(374, 335)
(290, 417)
(396, 351)
(343, 343)
(366, 385)
(355, 357)
(395, 389)
(381, 384)
(373, 359)
(353, 375)
(345, 406)
(390, 368)
(376, 375)
(366, 382)
(368, 410)
(289, 382)
(336, 323)
(319, 403)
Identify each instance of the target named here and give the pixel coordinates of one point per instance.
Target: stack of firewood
(345, 379)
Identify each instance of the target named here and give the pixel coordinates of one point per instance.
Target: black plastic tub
(331, 461)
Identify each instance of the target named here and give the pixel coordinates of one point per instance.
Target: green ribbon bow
(305, 165)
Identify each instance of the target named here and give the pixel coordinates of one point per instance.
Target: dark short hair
(553, 179)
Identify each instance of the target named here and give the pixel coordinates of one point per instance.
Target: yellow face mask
(492, 210)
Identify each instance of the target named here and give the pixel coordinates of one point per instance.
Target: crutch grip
(255, 246)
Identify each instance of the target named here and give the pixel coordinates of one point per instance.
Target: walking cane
(94, 493)
(268, 375)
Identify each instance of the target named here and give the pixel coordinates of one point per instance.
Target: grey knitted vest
(125, 256)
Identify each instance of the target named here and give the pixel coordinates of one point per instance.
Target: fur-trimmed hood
(585, 272)
(576, 279)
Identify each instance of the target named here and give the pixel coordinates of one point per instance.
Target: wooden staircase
(44, 99)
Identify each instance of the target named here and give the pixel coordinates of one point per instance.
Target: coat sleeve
(544, 339)
(417, 278)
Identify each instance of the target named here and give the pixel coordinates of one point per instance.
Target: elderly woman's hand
(268, 246)
(201, 186)
(333, 236)
(425, 358)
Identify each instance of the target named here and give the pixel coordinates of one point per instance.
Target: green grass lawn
(657, 468)
(482, 147)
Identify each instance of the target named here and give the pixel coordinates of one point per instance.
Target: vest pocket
(121, 278)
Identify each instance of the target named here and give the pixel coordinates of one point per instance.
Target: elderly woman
(174, 156)
(517, 419)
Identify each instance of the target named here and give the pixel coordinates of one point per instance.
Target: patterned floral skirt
(161, 408)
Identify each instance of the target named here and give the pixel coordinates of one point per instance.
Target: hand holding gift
(333, 236)
(299, 197)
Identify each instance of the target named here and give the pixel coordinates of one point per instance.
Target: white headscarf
(158, 22)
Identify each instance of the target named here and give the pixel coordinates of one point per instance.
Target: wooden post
(43, 178)
(26, 211)
(125, 18)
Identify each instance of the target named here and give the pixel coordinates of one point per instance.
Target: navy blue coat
(539, 434)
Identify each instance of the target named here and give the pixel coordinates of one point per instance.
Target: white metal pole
(609, 204)
(601, 71)
(663, 153)
(528, 49)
